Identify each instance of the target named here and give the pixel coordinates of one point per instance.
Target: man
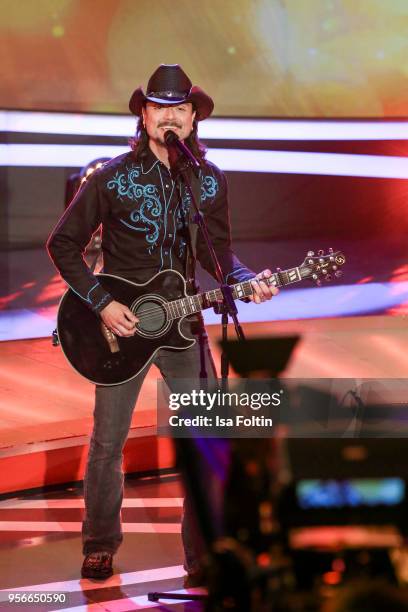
(145, 216)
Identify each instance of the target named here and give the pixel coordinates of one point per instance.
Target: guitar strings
(156, 312)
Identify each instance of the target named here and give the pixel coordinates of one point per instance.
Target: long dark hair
(139, 143)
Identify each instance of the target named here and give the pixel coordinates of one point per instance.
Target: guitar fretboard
(195, 303)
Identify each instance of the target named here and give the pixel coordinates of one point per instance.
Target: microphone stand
(181, 161)
(227, 307)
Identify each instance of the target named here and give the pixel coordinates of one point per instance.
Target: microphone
(172, 140)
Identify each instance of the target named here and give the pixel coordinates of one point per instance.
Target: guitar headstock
(321, 266)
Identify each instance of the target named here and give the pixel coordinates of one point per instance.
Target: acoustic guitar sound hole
(153, 320)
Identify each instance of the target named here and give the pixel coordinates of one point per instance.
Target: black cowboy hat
(169, 84)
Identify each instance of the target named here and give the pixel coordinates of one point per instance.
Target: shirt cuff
(239, 275)
(100, 299)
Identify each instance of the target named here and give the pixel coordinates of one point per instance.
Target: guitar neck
(202, 301)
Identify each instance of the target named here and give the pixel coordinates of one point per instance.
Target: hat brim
(202, 103)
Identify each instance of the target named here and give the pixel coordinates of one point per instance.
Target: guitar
(160, 304)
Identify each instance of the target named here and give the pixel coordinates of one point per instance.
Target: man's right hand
(119, 319)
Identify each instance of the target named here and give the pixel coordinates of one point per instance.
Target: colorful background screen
(273, 58)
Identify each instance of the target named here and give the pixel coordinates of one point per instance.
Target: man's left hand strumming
(261, 290)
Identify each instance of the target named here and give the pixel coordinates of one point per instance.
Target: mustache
(169, 124)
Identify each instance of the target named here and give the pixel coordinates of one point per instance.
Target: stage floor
(46, 407)
(40, 550)
(45, 420)
(43, 399)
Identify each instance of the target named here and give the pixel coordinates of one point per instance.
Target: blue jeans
(103, 483)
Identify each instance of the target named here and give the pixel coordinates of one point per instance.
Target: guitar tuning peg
(318, 282)
(279, 269)
(331, 250)
(310, 253)
(338, 274)
(320, 252)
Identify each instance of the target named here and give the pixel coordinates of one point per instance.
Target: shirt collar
(149, 162)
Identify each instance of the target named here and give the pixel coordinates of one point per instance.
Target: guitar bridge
(110, 339)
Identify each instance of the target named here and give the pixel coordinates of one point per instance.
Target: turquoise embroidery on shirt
(147, 217)
(125, 184)
(209, 187)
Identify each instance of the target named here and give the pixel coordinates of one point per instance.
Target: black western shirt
(144, 216)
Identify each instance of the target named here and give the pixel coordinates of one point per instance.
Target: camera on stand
(296, 522)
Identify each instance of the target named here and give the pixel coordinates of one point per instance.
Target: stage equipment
(284, 521)
(267, 355)
(73, 185)
(345, 508)
(77, 179)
